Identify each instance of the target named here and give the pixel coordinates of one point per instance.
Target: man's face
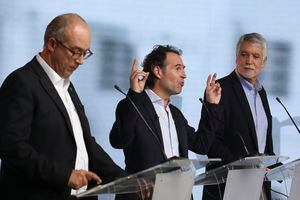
(172, 75)
(63, 60)
(250, 61)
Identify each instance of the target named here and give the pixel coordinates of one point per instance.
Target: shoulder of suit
(26, 69)
(136, 97)
(20, 73)
(175, 109)
(228, 80)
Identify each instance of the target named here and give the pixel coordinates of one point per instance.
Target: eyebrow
(73, 47)
(251, 53)
(180, 65)
(78, 48)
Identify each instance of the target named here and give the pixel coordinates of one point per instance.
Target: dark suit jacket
(237, 119)
(37, 146)
(143, 148)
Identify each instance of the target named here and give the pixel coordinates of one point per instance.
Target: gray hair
(253, 38)
(56, 28)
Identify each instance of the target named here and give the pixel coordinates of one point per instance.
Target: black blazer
(37, 146)
(237, 120)
(143, 148)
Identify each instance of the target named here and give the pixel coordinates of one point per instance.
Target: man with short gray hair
(247, 121)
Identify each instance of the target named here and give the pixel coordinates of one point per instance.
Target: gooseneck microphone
(204, 104)
(288, 114)
(144, 120)
(237, 133)
(245, 147)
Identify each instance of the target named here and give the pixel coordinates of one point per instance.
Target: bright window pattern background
(206, 31)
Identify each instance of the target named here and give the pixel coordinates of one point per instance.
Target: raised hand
(213, 90)
(81, 178)
(137, 78)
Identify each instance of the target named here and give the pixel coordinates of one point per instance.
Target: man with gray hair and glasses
(246, 127)
(46, 147)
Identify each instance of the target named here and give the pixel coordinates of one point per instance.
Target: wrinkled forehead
(256, 46)
(173, 59)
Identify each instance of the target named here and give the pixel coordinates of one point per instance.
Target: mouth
(248, 67)
(72, 68)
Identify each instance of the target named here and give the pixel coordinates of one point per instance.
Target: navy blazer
(37, 146)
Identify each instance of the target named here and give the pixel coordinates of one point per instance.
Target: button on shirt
(167, 125)
(61, 85)
(257, 110)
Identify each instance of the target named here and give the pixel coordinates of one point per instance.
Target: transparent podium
(286, 171)
(243, 178)
(173, 179)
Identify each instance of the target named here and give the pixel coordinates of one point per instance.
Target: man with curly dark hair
(166, 132)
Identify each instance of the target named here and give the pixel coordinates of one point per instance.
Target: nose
(183, 74)
(79, 60)
(249, 59)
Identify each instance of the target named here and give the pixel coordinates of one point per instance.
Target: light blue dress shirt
(257, 110)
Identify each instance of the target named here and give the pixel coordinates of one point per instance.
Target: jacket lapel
(181, 134)
(80, 110)
(50, 89)
(269, 145)
(263, 96)
(149, 111)
(239, 92)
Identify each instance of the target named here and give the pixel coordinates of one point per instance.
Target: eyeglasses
(76, 54)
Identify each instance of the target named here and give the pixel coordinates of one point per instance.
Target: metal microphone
(245, 147)
(144, 120)
(201, 100)
(119, 89)
(288, 114)
(209, 114)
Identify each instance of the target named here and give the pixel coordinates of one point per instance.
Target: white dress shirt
(61, 85)
(167, 125)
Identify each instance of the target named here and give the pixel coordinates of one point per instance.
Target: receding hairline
(57, 27)
(71, 18)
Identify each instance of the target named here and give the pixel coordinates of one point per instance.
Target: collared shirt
(167, 125)
(61, 85)
(257, 110)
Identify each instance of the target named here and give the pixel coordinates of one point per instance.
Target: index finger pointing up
(134, 66)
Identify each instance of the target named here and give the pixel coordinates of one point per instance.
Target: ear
(157, 72)
(51, 44)
(236, 59)
(265, 60)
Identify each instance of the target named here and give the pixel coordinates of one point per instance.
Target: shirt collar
(53, 76)
(155, 98)
(247, 85)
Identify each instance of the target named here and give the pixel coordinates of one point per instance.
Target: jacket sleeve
(201, 140)
(122, 132)
(102, 163)
(217, 148)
